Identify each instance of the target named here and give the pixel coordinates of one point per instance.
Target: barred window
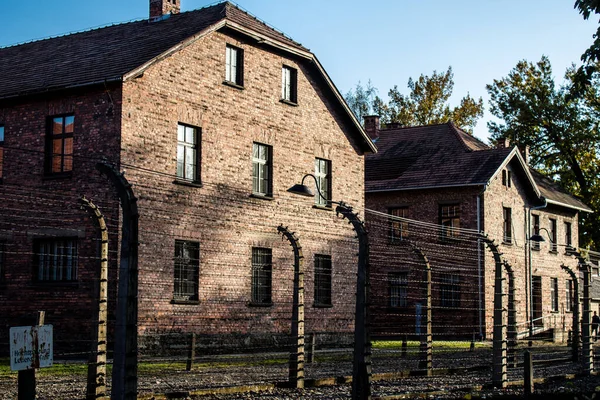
(261, 275)
(398, 282)
(568, 236)
(553, 236)
(186, 271)
(399, 228)
(262, 167)
(322, 280)
(554, 293)
(56, 259)
(450, 290)
(59, 144)
(450, 220)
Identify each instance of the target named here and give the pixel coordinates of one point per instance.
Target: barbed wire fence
(218, 301)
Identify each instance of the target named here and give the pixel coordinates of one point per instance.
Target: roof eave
(558, 203)
(427, 187)
(52, 89)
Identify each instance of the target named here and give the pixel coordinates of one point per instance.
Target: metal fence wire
(214, 311)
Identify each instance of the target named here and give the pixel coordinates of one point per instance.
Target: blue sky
(386, 41)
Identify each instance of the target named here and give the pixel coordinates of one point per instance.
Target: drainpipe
(530, 277)
(479, 264)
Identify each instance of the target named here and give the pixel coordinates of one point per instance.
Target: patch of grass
(439, 344)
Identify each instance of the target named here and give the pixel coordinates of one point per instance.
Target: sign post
(31, 347)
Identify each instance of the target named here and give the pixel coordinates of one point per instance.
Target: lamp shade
(537, 238)
(302, 190)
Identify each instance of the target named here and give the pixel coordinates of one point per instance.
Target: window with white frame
(55, 259)
(188, 153)
(186, 270)
(507, 224)
(289, 83)
(323, 175)
(262, 167)
(234, 65)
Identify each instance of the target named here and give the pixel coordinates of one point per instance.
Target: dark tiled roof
(555, 194)
(430, 156)
(109, 53)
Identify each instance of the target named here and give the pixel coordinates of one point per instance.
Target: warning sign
(30, 347)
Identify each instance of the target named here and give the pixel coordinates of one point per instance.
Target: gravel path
(235, 371)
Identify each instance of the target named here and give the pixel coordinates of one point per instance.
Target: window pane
(190, 164)
(190, 135)
(180, 133)
(57, 125)
(1, 133)
(180, 160)
(69, 123)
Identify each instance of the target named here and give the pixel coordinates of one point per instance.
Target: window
(59, 144)
(535, 231)
(507, 217)
(234, 65)
(1, 150)
(398, 289)
(323, 175)
(450, 220)
(55, 259)
(322, 280)
(553, 244)
(261, 169)
(399, 228)
(261, 276)
(289, 78)
(569, 295)
(503, 177)
(554, 294)
(188, 153)
(186, 272)
(508, 179)
(450, 290)
(568, 236)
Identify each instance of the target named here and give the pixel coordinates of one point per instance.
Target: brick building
(441, 175)
(213, 115)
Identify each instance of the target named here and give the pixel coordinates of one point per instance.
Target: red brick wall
(187, 87)
(36, 206)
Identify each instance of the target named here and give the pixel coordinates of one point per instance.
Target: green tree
(427, 103)
(560, 128)
(591, 57)
(360, 100)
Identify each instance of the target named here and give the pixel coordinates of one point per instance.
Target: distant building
(442, 175)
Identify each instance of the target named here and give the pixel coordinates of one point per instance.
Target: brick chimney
(160, 8)
(503, 143)
(372, 126)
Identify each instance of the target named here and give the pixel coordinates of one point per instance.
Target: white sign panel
(31, 347)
